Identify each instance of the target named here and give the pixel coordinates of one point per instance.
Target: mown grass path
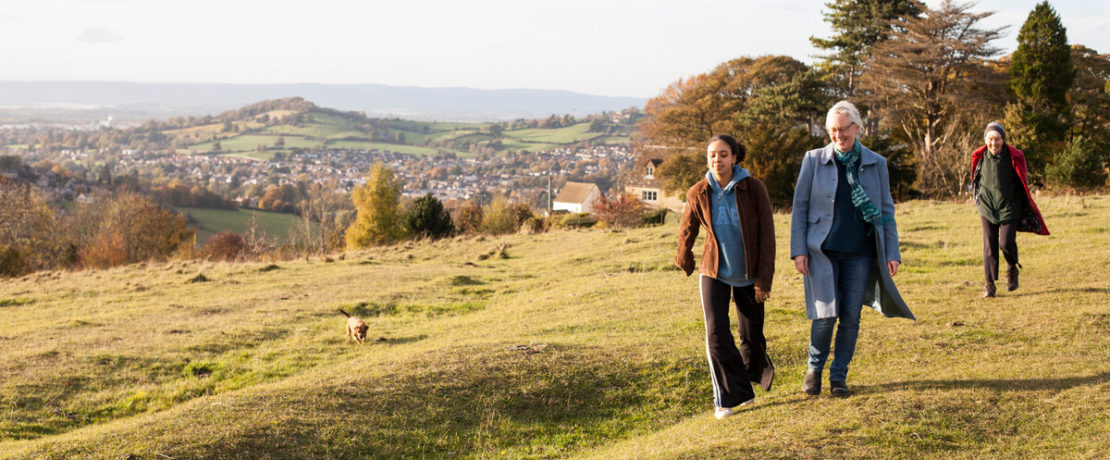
(565, 344)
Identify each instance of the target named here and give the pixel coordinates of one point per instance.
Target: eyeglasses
(839, 129)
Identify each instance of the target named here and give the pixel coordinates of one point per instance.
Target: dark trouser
(993, 235)
(732, 369)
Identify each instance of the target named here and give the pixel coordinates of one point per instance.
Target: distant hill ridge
(409, 102)
(295, 104)
(262, 129)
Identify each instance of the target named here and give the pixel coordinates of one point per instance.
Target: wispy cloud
(98, 34)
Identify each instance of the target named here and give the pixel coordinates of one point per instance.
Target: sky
(604, 47)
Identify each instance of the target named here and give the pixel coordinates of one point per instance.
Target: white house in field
(576, 197)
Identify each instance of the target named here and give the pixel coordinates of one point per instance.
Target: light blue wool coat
(812, 218)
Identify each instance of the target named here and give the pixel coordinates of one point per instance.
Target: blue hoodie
(726, 226)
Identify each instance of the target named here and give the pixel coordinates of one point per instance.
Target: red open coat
(1031, 220)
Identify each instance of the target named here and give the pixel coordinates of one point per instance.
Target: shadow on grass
(1086, 290)
(904, 245)
(990, 384)
(398, 340)
(478, 402)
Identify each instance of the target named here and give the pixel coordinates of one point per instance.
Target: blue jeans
(850, 275)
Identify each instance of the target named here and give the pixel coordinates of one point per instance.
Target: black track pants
(733, 368)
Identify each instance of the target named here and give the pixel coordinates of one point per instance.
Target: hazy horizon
(87, 101)
(617, 48)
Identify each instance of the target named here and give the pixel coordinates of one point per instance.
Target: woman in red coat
(1001, 190)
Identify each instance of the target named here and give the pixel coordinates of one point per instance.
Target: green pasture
(322, 126)
(516, 347)
(331, 119)
(349, 134)
(307, 130)
(338, 132)
(454, 126)
(210, 128)
(248, 143)
(278, 227)
(399, 148)
(474, 137)
(565, 135)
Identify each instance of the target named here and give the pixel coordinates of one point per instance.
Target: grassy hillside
(332, 130)
(518, 347)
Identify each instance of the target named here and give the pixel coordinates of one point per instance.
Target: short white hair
(846, 108)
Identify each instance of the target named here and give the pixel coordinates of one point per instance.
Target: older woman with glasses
(844, 241)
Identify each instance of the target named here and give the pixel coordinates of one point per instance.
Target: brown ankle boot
(812, 383)
(989, 292)
(1012, 278)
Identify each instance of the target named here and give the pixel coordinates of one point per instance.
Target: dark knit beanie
(996, 126)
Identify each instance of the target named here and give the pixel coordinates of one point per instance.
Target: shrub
(1079, 166)
(623, 212)
(126, 229)
(468, 218)
(656, 217)
(11, 262)
(226, 246)
(502, 217)
(580, 220)
(425, 217)
(536, 224)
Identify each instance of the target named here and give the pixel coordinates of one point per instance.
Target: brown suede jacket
(757, 228)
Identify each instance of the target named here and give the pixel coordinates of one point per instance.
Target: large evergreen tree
(378, 203)
(1041, 73)
(857, 26)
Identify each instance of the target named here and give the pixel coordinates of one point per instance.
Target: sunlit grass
(578, 344)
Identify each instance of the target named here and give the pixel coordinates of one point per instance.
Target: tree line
(382, 217)
(113, 228)
(928, 81)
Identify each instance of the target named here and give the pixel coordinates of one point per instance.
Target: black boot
(1012, 278)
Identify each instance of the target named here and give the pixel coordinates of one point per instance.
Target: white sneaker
(722, 412)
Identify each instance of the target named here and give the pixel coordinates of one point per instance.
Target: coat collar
(977, 155)
(704, 188)
(866, 156)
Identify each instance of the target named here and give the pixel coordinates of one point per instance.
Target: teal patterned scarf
(859, 198)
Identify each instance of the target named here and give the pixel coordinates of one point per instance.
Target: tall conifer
(1041, 73)
(857, 26)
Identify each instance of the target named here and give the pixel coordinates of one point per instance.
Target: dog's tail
(344, 313)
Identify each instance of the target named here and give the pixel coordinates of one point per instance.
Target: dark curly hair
(737, 148)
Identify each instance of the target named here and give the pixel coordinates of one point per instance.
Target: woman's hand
(761, 295)
(892, 265)
(801, 263)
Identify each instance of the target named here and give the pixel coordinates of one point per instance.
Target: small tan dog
(356, 328)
